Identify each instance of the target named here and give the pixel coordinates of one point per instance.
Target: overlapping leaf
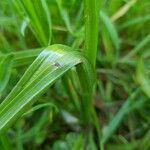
(49, 66)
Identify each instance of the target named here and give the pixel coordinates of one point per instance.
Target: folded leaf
(49, 66)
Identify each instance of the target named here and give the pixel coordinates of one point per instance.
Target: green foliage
(92, 9)
(51, 64)
(92, 94)
(5, 68)
(39, 18)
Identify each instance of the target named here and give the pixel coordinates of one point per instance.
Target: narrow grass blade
(5, 70)
(142, 79)
(25, 57)
(139, 47)
(91, 8)
(135, 21)
(5, 143)
(37, 127)
(22, 58)
(123, 10)
(109, 130)
(111, 29)
(39, 18)
(39, 106)
(65, 17)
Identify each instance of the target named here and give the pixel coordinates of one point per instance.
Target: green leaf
(91, 13)
(137, 48)
(39, 106)
(134, 21)
(5, 70)
(142, 79)
(39, 18)
(49, 66)
(110, 29)
(21, 58)
(25, 57)
(123, 10)
(114, 123)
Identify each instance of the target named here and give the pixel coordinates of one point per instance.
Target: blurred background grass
(123, 78)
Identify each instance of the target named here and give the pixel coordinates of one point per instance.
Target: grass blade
(142, 79)
(5, 70)
(123, 10)
(39, 18)
(134, 21)
(91, 28)
(139, 47)
(50, 65)
(108, 131)
(111, 29)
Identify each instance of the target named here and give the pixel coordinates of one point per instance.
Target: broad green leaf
(49, 66)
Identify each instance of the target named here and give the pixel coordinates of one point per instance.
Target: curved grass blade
(49, 66)
(39, 106)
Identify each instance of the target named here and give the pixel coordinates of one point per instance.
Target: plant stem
(91, 8)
